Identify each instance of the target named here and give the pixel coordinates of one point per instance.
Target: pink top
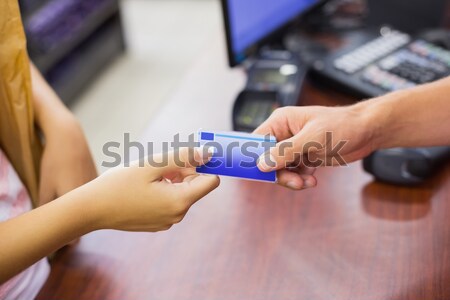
(14, 201)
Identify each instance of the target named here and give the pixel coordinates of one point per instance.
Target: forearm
(32, 236)
(50, 112)
(417, 117)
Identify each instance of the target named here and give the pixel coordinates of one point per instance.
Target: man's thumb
(279, 157)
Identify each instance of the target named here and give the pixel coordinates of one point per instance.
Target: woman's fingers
(196, 187)
(179, 172)
(175, 163)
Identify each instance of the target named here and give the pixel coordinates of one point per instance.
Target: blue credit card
(236, 154)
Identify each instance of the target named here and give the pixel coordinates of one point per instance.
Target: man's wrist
(376, 115)
(384, 120)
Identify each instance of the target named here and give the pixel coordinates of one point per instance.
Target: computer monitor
(249, 23)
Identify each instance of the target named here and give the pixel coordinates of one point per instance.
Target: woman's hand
(148, 198)
(66, 162)
(135, 198)
(310, 137)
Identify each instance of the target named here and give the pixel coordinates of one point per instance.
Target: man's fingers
(279, 157)
(296, 181)
(303, 170)
(298, 148)
(264, 129)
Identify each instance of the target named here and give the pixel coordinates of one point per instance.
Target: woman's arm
(132, 199)
(67, 162)
(34, 235)
(49, 109)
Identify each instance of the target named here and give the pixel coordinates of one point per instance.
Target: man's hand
(66, 163)
(310, 137)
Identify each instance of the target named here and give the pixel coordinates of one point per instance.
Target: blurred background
(114, 62)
